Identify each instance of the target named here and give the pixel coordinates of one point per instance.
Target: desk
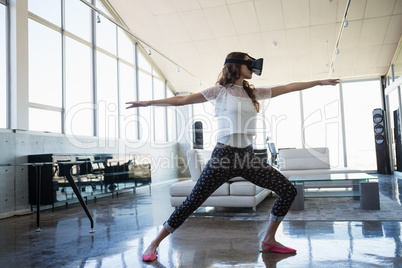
(36, 169)
(360, 186)
(46, 172)
(104, 171)
(69, 176)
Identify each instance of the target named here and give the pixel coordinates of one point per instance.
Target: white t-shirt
(235, 112)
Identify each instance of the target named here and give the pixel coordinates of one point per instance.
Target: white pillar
(19, 78)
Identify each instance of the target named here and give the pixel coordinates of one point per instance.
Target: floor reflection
(271, 259)
(126, 225)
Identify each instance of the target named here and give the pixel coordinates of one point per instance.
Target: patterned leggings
(228, 162)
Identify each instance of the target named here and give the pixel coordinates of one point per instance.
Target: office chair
(274, 153)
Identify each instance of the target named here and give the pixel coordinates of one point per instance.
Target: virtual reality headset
(252, 64)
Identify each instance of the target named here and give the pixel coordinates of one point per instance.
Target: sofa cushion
(237, 179)
(184, 188)
(196, 160)
(244, 188)
(305, 158)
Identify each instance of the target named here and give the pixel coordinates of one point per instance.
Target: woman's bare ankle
(151, 248)
(270, 240)
(273, 242)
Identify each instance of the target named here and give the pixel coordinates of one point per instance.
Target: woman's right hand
(172, 101)
(135, 104)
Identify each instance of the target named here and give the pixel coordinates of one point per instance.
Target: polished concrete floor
(126, 224)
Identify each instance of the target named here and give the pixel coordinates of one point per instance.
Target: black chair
(262, 154)
(274, 153)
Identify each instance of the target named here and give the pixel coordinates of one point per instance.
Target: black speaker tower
(198, 142)
(381, 142)
(398, 140)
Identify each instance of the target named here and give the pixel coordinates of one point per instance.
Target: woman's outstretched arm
(173, 101)
(279, 90)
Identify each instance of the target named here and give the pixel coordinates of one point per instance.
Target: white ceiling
(196, 35)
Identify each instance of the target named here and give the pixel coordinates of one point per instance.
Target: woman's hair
(231, 72)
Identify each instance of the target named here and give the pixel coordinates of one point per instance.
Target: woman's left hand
(330, 82)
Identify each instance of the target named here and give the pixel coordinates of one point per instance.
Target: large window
(45, 74)
(171, 119)
(50, 120)
(3, 67)
(393, 105)
(319, 121)
(144, 64)
(284, 120)
(87, 84)
(145, 93)
(360, 99)
(107, 106)
(78, 19)
(128, 118)
(160, 122)
(44, 65)
(126, 48)
(79, 119)
(106, 35)
(322, 124)
(49, 10)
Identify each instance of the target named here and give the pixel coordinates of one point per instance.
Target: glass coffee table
(361, 186)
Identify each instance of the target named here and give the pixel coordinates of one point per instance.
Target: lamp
(345, 22)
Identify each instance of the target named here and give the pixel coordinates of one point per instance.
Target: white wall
(16, 145)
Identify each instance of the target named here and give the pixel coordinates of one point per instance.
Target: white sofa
(237, 192)
(309, 161)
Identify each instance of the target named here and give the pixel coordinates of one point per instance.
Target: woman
(236, 104)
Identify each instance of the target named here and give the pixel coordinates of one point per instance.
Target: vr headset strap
(236, 61)
(252, 64)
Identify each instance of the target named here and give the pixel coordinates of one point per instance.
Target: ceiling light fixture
(344, 24)
(149, 51)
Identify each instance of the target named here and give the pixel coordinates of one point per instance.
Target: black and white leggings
(226, 163)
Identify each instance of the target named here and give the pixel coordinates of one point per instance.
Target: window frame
(7, 116)
(138, 52)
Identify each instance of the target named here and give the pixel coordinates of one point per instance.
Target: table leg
(369, 196)
(38, 195)
(356, 189)
(298, 203)
(78, 194)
